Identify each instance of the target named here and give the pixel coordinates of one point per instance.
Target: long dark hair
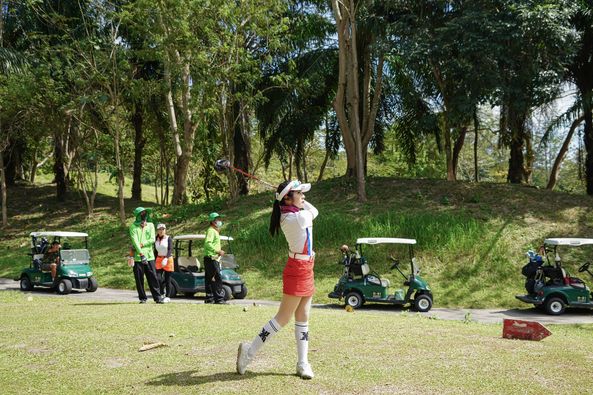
(275, 218)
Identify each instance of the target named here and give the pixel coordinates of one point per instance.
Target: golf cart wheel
(422, 303)
(227, 291)
(354, 299)
(189, 294)
(555, 306)
(64, 286)
(26, 284)
(242, 294)
(173, 290)
(93, 285)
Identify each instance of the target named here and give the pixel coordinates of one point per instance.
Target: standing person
(142, 236)
(163, 246)
(212, 254)
(294, 216)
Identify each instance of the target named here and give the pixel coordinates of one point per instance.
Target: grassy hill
(472, 238)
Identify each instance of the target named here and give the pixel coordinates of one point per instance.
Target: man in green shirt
(212, 254)
(142, 235)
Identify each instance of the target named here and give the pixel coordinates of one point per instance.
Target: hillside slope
(472, 238)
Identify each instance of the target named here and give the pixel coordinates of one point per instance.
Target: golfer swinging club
(294, 216)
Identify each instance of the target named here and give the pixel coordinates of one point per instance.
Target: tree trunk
(529, 157)
(457, 149)
(347, 102)
(476, 135)
(120, 177)
(180, 179)
(189, 132)
(516, 122)
(588, 140)
(562, 153)
(59, 171)
(3, 191)
(241, 145)
(139, 143)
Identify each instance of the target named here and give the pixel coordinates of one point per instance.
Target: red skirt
(298, 278)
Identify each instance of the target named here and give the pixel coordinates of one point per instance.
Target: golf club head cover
(221, 165)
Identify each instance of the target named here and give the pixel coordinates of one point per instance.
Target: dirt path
(487, 316)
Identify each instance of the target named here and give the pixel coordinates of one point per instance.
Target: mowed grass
(472, 238)
(60, 345)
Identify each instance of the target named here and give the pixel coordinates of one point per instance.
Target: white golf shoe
(305, 371)
(243, 357)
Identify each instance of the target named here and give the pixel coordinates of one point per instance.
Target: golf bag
(533, 271)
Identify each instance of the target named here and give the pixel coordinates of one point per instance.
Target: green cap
(213, 216)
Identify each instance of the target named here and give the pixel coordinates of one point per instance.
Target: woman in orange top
(163, 246)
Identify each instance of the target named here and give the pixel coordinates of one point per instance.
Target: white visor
(293, 186)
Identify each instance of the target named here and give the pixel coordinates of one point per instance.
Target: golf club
(223, 164)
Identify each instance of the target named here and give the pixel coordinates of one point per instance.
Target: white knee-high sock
(301, 334)
(268, 331)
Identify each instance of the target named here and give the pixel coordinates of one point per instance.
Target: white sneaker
(166, 300)
(305, 371)
(243, 357)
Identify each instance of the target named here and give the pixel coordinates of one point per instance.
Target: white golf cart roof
(199, 237)
(58, 234)
(384, 240)
(575, 242)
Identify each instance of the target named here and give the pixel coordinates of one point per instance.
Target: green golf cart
(359, 284)
(73, 269)
(549, 286)
(188, 274)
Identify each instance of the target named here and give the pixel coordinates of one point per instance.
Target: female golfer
(294, 216)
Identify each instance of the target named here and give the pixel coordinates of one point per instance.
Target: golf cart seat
(378, 281)
(576, 282)
(360, 269)
(188, 263)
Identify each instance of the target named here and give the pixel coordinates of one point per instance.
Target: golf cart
(549, 286)
(188, 275)
(72, 264)
(359, 284)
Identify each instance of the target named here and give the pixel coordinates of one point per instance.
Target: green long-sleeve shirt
(144, 236)
(212, 243)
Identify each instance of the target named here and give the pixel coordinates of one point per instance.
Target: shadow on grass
(191, 377)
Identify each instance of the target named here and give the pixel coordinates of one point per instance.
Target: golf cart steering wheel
(585, 267)
(395, 262)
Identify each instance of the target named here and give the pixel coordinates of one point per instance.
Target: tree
(581, 72)
(357, 50)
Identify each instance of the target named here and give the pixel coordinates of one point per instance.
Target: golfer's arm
(169, 247)
(309, 207)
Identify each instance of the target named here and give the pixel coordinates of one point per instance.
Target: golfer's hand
(143, 259)
(141, 245)
(221, 252)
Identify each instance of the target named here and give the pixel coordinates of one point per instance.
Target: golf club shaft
(252, 177)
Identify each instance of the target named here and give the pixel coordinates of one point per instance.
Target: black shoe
(142, 301)
(221, 302)
(209, 301)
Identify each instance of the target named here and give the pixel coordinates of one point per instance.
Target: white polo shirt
(298, 229)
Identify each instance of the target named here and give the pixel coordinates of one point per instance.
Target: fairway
(59, 345)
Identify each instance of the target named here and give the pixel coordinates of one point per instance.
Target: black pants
(149, 269)
(165, 282)
(212, 280)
